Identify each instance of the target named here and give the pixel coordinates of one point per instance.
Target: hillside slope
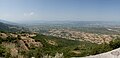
(10, 28)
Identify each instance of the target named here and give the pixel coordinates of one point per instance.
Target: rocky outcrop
(22, 45)
(11, 47)
(17, 43)
(26, 42)
(3, 35)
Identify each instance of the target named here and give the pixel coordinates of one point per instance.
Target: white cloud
(29, 14)
(32, 13)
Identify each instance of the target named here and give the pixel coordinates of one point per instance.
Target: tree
(100, 49)
(115, 44)
(2, 51)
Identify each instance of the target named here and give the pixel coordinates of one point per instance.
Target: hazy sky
(51, 10)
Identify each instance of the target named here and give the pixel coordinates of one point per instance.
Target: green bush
(115, 44)
(2, 51)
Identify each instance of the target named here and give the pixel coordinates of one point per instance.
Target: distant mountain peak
(8, 22)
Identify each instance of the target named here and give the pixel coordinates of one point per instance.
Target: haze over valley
(59, 28)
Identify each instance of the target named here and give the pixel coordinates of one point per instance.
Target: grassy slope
(64, 46)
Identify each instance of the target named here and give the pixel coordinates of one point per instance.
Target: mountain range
(7, 26)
